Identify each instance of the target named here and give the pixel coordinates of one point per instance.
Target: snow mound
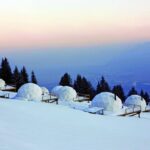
(107, 101)
(30, 91)
(2, 84)
(45, 91)
(66, 93)
(136, 100)
(56, 90)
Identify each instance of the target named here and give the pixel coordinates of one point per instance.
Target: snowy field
(39, 126)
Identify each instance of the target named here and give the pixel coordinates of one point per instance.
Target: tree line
(15, 77)
(82, 85)
(18, 77)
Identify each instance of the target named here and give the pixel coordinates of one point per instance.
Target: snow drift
(107, 101)
(30, 91)
(39, 126)
(136, 100)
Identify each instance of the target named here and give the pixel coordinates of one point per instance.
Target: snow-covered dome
(65, 93)
(56, 89)
(30, 91)
(136, 100)
(45, 91)
(107, 101)
(2, 84)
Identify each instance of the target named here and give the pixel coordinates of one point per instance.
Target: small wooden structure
(5, 95)
(132, 110)
(147, 109)
(50, 98)
(82, 98)
(10, 88)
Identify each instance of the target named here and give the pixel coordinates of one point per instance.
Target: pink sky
(46, 23)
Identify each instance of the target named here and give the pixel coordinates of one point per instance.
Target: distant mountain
(132, 66)
(128, 64)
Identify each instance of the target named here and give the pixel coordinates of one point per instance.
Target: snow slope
(39, 126)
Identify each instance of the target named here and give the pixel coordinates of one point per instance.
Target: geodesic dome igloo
(107, 101)
(45, 91)
(56, 89)
(65, 93)
(30, 91)
(136, 100)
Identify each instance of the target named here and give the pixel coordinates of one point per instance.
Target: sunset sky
(69, 23)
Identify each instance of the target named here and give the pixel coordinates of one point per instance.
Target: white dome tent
(65, 93)
(107, 101)
(2, 84)
(45, 91)
(55, 90)
(30, 92)
(137, 101)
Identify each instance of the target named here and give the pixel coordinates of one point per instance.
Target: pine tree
(33, 78)
(16, 75)
(6, 73)
(133, 91)
(66, 80)
(98, 88)
(83, 86)
(20, 81)
(90, 90)
(86, 86)
(146, 97)
(78, 84)
(24, 75)
(17, 78)
(118, 90)
(142, 94)
(102, 86)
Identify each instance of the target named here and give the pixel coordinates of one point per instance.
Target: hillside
(37, 126)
